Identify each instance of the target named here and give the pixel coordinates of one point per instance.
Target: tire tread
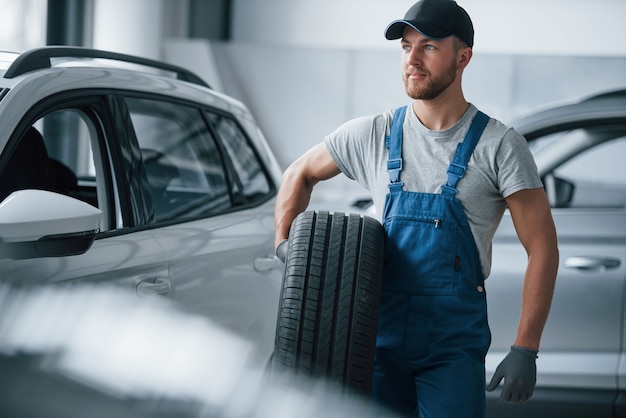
(329, 303)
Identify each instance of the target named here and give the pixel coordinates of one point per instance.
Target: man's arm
(298, 182)
(535, 228)
(533, 222)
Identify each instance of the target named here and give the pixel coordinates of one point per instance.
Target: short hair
(460, 43)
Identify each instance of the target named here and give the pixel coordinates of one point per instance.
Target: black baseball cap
(436, 19)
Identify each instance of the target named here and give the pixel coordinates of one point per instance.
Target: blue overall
(433, 333)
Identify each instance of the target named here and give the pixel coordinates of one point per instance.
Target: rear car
(579, 149)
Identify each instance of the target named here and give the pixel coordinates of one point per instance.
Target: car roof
(34, 75)
(51, 69)
(601, 109)
(40, 58)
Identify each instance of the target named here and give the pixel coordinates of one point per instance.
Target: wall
(23, 24)
(559, 27)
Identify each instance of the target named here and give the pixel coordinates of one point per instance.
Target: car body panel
(589, 300)
(124, 260)
(234, 295)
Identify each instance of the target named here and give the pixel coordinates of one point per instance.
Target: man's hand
(519, 371)
(281, 250)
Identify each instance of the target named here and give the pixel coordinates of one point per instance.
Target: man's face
(429, 66)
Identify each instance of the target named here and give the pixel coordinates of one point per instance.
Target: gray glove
(519, 371)
(281, 250)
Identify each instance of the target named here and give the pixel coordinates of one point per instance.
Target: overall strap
(394, 144)
(464, 150)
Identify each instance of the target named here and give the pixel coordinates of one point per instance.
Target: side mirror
(37, 223)
(560, 191)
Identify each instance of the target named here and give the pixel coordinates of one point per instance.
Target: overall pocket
(421, 255)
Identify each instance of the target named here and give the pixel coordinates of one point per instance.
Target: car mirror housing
(560, 191)
(62, 226)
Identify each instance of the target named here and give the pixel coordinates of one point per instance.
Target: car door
(580, 364)
(84, 158)
(212, 204)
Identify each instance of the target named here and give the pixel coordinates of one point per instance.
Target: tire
(328, 311)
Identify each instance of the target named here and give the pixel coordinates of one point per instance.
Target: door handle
(156, 286)
(590, 263)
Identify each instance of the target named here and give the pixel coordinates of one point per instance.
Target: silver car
(579, 150)
(120, 170)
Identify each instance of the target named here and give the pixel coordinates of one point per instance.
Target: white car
(121, 170)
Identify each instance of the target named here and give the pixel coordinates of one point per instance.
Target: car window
(251, 179)
(595, 177)
(184, 167)
(56, 153)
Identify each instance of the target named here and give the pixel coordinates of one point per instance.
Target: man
(440, 204)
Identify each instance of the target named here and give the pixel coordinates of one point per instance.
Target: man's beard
(434, 87)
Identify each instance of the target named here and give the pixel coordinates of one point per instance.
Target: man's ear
(463, 58)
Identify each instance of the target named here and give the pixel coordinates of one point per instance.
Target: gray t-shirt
(500, 166)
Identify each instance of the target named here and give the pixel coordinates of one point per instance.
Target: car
(124, 171)
(579, 150)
